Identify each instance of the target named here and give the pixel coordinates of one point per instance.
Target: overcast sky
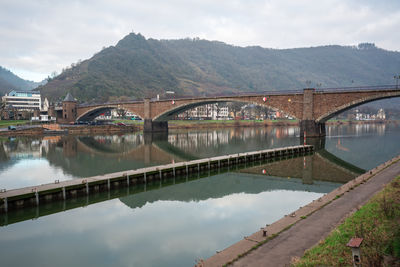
(38, 37)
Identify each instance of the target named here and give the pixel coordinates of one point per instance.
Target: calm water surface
(178, 221)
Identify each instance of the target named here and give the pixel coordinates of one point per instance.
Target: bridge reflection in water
(320, 172)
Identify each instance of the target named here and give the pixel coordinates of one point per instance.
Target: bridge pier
(151, 126)
(155, 126)
(317, 142)
(312, 128)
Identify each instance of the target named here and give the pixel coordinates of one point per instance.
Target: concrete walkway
(327, 213)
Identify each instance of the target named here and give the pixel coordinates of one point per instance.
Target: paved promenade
(323, 216)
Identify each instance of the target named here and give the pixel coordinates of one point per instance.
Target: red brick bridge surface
(312, 107)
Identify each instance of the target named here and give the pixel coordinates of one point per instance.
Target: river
(179, 221)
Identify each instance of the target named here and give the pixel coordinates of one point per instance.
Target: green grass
(377, 222)
(5, 123)
(128, 121)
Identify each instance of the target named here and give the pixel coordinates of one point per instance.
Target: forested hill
(9, 81)
(138, 67)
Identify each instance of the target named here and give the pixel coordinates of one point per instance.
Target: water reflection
(321, 166)
(69, 157)
(364, 145)
(174, 221)
(164, 233)
(178, 219)
(298, 174)
(356, 129)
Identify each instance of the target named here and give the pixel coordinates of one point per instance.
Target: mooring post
(127, 179)
(37, 197)
(108, 184)
(5, 205)
(63, 193)
(87, 187)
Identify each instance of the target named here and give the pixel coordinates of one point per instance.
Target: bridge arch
(358, 102)
(182, 107)
(92, 113)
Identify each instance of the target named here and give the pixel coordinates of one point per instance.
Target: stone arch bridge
(310, 106)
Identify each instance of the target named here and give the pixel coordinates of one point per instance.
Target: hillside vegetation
(138, 67)
(10, 81)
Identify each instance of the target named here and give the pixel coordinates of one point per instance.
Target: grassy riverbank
(377, 222)
(5, 123)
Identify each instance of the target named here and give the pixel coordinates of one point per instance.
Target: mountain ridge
(9, 81)
(137, 67)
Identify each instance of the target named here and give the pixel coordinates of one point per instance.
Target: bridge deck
(34, 195)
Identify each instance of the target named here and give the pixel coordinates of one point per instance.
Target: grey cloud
(43, 36)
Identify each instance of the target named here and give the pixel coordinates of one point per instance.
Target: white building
(23, 100)
(210, 111)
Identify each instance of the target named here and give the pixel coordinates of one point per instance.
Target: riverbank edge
(136, 127)
(249, 243)
(376, 222)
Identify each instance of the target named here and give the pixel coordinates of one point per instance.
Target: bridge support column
(155, 126)
(308, 125)
(312, 128)
(151, 126)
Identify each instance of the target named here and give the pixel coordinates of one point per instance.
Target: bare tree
(235, 107)
(121, 112)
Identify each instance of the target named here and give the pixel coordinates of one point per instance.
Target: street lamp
(397, 77)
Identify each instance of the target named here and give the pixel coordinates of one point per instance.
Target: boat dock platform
(35, 195)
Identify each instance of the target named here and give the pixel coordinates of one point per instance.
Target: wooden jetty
(35, 195)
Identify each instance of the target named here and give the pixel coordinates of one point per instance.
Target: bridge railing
(261, 93)
(359, 88)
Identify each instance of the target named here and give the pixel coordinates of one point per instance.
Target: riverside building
(23, 100)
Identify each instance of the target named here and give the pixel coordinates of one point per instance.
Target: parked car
(121, 124)
(12, 128)
(81, 123)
